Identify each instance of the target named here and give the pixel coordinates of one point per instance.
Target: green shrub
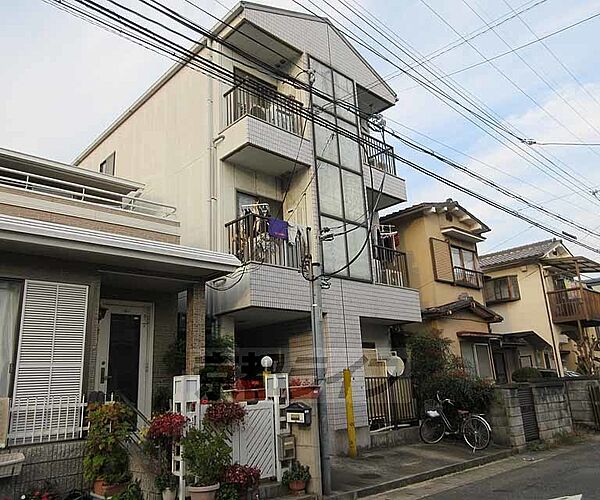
(206, 454)
(466, 392)
(526, 373)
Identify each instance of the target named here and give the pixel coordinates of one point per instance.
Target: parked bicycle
(474, 428)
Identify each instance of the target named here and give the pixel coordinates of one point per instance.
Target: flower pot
(297, 487)
(203, 492)
(104, 489)
(169, 494)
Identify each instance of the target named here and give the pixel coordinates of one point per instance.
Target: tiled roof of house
(531, 251)
(463, 304)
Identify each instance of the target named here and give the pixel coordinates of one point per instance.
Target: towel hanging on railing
(278, 228)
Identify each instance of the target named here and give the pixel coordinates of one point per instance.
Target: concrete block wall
(60, 463)
(506, 419)
(551, 409)
(578, 394)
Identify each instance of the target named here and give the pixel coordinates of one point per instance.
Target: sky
(63, 81)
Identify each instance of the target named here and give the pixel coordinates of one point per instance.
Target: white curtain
(10, 298)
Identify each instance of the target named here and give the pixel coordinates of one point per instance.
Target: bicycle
(475, 429)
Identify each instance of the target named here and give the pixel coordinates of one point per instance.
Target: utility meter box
(287, 447)
(298, 413)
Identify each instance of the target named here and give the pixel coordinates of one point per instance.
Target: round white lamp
(266, 362)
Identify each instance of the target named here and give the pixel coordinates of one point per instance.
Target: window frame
(12, 368)
(462, 259)
(113, 161)
(513, 288)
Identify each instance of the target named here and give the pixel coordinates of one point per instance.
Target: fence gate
(527, 405)
(595, 400)
(253, 442)
(390, 402)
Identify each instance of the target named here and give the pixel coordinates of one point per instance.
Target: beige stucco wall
(415, 237)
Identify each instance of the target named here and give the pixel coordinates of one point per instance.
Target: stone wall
(578, 392)
(551, 409)
(59, 463)
(506, 419)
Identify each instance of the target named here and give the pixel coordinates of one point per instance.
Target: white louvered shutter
(51, 340)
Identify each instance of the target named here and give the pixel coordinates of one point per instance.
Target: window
(477, 359)
(461, 257)
(251, 202)
(10, 301)
(339, 178)
(503, 289)
(465, 268)
(526, 361)
(108, 165)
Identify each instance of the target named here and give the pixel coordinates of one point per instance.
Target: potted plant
(296, 478)
(207, 454)
(242, 478)
(164, 431)
(106, 461)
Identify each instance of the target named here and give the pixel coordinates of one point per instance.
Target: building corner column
(195, 344)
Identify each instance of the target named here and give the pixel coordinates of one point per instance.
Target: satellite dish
(394, 365)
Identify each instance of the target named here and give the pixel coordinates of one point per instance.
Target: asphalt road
(571, 474)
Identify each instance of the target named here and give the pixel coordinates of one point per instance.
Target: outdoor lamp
(266, 362)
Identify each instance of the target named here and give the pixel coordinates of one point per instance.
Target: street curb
(422, 476)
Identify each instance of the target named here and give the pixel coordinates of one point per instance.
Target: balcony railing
(389, 266)
(272, 107)
(80, 192)
(378, 154)
(250, 241)
(574, 304)
(468, 277)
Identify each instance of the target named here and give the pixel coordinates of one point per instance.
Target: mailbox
(298, 413)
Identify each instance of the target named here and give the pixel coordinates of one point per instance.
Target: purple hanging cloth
(278, 228)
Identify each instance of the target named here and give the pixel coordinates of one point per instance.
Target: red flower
(167, 426)
(225, 413)
(243, 476)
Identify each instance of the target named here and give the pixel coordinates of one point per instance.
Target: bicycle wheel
(476, 432)
(432, 430)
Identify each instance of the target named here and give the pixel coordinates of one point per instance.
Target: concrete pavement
(566, 472)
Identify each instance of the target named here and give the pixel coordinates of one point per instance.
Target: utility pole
(313, 269)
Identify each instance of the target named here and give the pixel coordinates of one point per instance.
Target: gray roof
(531, 251)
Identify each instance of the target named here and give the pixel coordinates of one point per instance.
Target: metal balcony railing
(468, 277)
(80, 192)
(378, 154)
(272, 107)
(389, 266)
(250, 241)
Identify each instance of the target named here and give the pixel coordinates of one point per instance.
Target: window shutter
(442, 260)
(51, 340)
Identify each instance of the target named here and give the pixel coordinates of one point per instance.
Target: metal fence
(390, 402)
(378, 154)
(46, 419)
(389, 266)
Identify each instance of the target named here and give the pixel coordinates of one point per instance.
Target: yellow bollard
(352, 452)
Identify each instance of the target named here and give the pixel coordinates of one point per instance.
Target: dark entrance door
(526, 403)
(500, 366)
(124, 356)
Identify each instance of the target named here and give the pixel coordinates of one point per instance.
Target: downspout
(555, 347)
(212, 158)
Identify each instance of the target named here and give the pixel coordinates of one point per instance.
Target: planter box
(248, 394)
(304, 392)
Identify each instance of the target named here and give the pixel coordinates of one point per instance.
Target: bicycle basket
(431, 405)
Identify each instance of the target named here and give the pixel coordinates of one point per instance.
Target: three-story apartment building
(254, 176)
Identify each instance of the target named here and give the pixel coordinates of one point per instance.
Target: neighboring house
(545, 309)
(249, 175)
(440, 241)
(90, 271)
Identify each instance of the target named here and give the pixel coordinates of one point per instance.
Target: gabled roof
(441, 206)
(517, 255)
(468, 304)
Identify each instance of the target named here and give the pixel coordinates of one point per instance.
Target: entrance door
(124, 363)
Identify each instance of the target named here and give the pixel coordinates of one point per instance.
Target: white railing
(80, 192)
(45, 419)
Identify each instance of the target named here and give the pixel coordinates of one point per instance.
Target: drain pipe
(212, 158)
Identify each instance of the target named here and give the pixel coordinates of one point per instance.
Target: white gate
(253, 442)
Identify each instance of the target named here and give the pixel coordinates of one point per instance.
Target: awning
(19, 235)
(530, 337)
(571, 265)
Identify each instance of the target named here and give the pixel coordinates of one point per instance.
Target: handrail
(571, 304)
(468, 277)
(378, 154)
(52, 186)
(390, 266)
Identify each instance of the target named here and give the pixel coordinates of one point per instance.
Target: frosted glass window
(334, 251)
(323, 82)
(349, 148)
(10, 300)
(344, 91)
(354, 204)
(361, 267)
(330, 191)
(484, 365)
(325, 140)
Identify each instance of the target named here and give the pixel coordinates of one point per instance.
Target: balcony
(575, 304)
(379, 160)
(250, 241)
(468, 277)
(389, 267)
(264, 133)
